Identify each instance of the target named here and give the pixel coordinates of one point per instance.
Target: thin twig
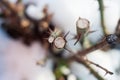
(82, 61)
(97, 65)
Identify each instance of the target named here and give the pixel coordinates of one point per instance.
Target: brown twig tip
(97, 65)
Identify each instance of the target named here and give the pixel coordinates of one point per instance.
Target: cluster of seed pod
(19, 24)
(57, 40)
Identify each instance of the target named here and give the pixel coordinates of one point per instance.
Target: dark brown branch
(104, 43)
(93, 48)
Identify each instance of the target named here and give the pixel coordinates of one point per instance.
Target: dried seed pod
(59, 42)
(82, 26)
(25, 23)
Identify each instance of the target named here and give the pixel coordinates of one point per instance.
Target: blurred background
(17, 61)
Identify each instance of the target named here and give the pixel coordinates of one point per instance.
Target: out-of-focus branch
(109, 40)
(101, 7)
(8, 6)
(100, 45)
